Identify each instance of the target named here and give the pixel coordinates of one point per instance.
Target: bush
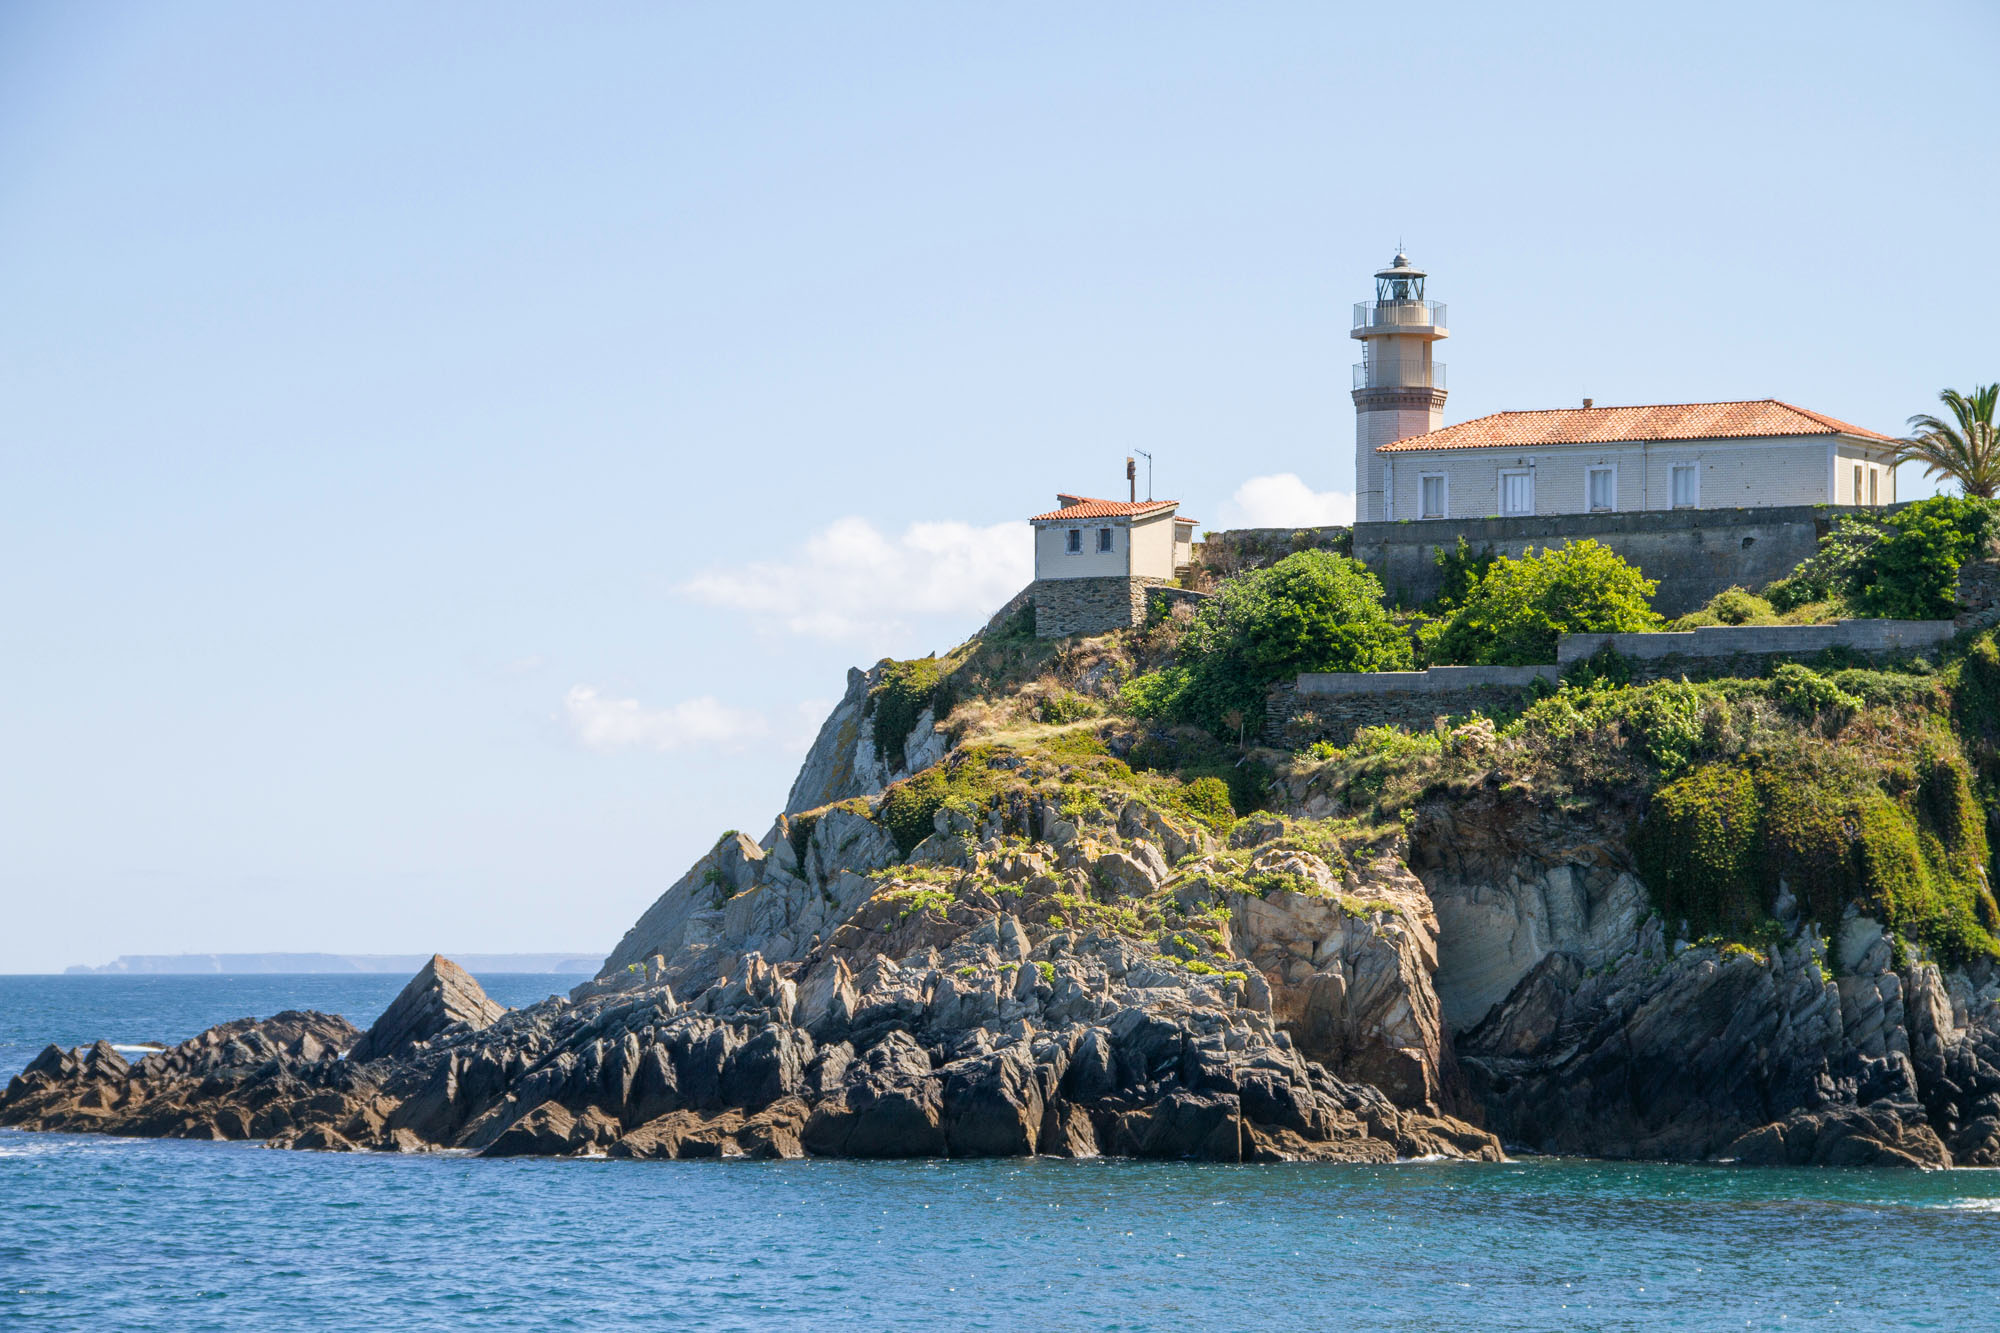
(1207, 799)
(1605, 667)
(1735, 606)
(1459, 572)
(899, 699)
(1803, 692)
(1668, 719)
(1830, 570)
(1063, 706)
(909, 808)
(1313, 611)
(1901, 567)
(1911, 573)
(1514, 614)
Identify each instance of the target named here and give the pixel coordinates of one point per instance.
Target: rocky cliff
(1045, 927)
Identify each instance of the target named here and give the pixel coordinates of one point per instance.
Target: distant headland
(400, 964)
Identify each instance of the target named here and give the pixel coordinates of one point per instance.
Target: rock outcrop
(1036, 946)
(440, 996)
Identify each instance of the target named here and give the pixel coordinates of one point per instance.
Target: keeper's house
(1607, 460)
(1094, 560)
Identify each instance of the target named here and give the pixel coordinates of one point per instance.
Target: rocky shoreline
(1060, 955)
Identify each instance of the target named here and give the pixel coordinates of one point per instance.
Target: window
(1076, 541)
(1600, 488)
(1874, 486)
(1686, 485)
(1855, 498)
(1430, 495)
(1517, 492)
(1103, 539)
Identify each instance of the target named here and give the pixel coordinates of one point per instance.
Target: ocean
(103, 1233)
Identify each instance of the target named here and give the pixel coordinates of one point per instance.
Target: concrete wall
(1862, 636)
(1785, 471)
(1693, 553)
(1089, 605)
(1332, 706)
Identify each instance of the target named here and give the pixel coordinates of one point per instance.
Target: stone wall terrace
(1332, 706)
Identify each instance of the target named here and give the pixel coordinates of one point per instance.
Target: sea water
(104, 1233)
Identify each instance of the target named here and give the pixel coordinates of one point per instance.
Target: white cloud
(1283, 500)
(603, 724)
(850, 579)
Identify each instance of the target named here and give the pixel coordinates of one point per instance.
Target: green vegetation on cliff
(1514, 613)
(1313, 611)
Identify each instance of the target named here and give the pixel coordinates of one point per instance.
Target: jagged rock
(551, 1130)
(770, 1133)
(888, 1105)
(992, 1105)
(1879, 1135)
(440, 994)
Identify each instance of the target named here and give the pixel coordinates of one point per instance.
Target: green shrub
(1803, 692)
(1515, 613)
(899, 699)
(1829, 572)
(1912, 572)
(1459, 572)
(1312, 611)
(1392, 742)
(1904, 566)
(1668, 719)
(1207, 799)
(909, 808)
(1156, 695)
(1063, 706)
(1605, 667)
(1736, 606)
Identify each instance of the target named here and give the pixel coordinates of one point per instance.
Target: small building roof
(1081, 506)
(1619, 425)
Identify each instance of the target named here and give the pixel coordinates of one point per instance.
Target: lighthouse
(1398, 387)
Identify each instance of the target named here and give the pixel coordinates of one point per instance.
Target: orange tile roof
(1078, 506)
(1611, 425)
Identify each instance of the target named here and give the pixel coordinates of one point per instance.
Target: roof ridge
(1719, 419)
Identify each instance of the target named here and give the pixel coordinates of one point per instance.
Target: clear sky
(450, 454)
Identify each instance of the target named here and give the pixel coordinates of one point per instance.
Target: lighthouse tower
(1398, 388)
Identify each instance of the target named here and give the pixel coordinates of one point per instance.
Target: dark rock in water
(440, 994)
(1878, 1135)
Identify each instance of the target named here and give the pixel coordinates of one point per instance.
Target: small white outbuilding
(1099, 539)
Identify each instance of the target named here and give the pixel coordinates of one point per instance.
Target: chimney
(1132, 479)
(1587, 402)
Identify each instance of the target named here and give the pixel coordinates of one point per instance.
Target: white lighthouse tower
(1398, 388)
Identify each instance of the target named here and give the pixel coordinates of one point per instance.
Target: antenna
(1149, 472)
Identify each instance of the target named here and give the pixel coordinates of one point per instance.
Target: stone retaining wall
(1090, 606)
(1693, 553)
(1869, 637)
(1332, 706)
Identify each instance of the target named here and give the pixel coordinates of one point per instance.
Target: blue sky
(451, 454)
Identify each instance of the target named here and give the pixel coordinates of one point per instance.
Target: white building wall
(1152, 541)
(1053, 559)
(1873, 463)
(1732, 474)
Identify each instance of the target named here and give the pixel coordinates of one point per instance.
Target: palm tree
(1967, 452)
